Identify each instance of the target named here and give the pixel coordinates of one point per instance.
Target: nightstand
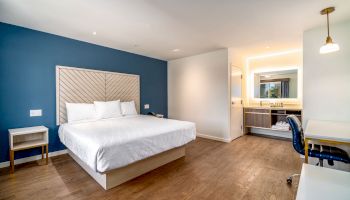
(27, 138)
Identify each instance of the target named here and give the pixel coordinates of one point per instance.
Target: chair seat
(328, 153)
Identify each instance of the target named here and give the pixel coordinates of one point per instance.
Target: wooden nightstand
(27, 138)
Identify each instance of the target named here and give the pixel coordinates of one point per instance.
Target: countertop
(275, 108)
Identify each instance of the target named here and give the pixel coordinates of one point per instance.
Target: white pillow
(128, 108)
(77, 112)
(109, 109)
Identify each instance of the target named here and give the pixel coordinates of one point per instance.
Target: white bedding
(112, 143)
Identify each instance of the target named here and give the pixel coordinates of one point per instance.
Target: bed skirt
(121, 175)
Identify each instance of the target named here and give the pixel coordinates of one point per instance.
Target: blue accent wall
(27, 78)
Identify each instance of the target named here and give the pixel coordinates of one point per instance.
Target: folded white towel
(281, 126)
(274, 127)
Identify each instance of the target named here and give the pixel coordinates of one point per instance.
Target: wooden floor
(250, 167)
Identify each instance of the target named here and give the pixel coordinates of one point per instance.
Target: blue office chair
(321, 152)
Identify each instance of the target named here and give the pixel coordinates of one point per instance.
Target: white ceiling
(155, 27)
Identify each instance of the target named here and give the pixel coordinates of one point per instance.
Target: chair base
(290, 179)
(320, 163)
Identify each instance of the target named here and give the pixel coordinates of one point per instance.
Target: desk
(323, 183)
(326, 132)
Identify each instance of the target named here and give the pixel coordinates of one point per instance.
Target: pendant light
(329, 46)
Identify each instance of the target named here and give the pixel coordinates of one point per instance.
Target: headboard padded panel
(77, 85)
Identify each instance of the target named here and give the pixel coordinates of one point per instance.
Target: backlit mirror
(276, 84)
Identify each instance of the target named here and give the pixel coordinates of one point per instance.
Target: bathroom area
(272, 91)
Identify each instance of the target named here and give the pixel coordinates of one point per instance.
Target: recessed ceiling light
(176, 50)
(94, 33)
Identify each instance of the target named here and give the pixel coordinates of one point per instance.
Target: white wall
(327, 77)
(198, 91)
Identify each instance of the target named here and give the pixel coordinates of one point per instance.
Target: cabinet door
(262, 120)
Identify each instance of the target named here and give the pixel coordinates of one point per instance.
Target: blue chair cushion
(328, 153)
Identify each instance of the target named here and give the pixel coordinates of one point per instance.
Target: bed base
(118, 176)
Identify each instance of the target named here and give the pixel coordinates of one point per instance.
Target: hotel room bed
(108, 144)
(121, 144)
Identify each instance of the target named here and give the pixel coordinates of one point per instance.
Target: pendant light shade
(330, 46)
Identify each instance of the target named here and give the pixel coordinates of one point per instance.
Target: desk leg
(12, 163)
(306, 142)
(47, 154)
(42, 152)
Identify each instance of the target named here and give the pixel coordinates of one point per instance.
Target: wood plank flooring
(250, 167)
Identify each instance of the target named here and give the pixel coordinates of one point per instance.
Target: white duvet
(113, 143)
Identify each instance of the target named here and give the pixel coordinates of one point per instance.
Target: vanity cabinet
(265, 118)
(257, 118)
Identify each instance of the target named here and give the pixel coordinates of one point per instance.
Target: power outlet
(146, 106)
(35, 113)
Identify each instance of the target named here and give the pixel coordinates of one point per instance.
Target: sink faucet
(262, 103)
(279, 104)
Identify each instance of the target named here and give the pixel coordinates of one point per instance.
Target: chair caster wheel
(289, 180)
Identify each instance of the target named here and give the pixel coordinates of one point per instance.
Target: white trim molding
(227, 140)
(32, 158)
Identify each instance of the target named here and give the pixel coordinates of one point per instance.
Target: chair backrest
(297, 132)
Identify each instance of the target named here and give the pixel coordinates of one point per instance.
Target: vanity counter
(274, 108)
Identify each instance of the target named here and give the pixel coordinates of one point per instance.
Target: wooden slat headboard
(77, 85)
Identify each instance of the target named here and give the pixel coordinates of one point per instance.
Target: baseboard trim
(33, 158)
(227, 140)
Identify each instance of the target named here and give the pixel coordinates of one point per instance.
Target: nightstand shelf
(28, 144)
(26, 138)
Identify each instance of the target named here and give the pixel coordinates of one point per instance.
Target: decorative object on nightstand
(27, 138)
(159, 115)
(156, 115)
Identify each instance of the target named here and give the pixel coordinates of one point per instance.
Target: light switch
(146, 106)
(35, 113)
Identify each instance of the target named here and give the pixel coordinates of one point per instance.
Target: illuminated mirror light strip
(250, 79)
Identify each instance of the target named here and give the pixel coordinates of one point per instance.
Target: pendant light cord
(328, 23)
